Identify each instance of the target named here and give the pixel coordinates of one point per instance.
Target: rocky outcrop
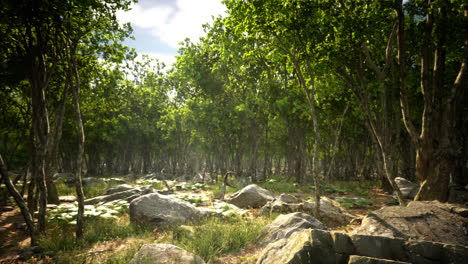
(408, 189)
(118, 188)
(330, 210)
(430, 221)
(128, 195)
(319, 246)
(368, 260)
(252, 196)
(164, 254)
(458, 194)
(161, 211)
(286, 225)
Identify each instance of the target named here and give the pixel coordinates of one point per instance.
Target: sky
(159, 25)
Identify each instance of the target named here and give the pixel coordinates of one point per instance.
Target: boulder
(157, 210)
(92, 182)
(408, 189)
(429, 221)
(305, 246)
(319, 246)
(380, 247)
(330, 210)
(458, 194)
(252, 196)
(368, 260)
(164, 254)
(128, 195)
(118, 188)
(288, 198)
(116, 181)
(287, 224)
(63, 176)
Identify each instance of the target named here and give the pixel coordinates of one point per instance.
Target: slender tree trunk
(40, 124)
(79, 158)
(19, 201)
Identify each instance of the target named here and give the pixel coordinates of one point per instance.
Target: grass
(60, 237)
(89, 191)
(354, 188)
(217, 236)
(216, 189)
(354, 203)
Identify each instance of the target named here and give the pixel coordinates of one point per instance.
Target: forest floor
(14, 239)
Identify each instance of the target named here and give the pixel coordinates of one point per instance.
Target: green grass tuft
(217, 236)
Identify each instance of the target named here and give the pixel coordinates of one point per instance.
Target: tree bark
(28, 219)
(81, 141)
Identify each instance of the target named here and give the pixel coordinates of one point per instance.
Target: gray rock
(458, 194)
(424, 250)
(157, 210)
(288, 198)
(380, 247)
(118, 188)
(67, 199)
(342, 243)
(164, 254)
(252, 196)
(285, 225)
(125, 195)
(408, 189)
(305, 246)
(288, 251)
(331, 210)
(429, 221)
(367, 260)
(92, 182)
(116, 181)
(454, 254)
(63, 176)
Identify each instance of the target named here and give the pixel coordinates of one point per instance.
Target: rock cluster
(320, 246)
(430, 221)
(329, 209)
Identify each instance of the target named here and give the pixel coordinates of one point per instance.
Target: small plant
(334, 189)
(223, 209)
(354, 203)
(157, 184)
(190, 186)
(191, 198)
(66, 214)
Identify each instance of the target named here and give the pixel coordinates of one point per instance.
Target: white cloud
(172, 24)
(168, 59)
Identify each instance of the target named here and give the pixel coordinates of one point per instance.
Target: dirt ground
(12, 239)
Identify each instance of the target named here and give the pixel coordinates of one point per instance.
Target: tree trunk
(28, 219)
(81, 141)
